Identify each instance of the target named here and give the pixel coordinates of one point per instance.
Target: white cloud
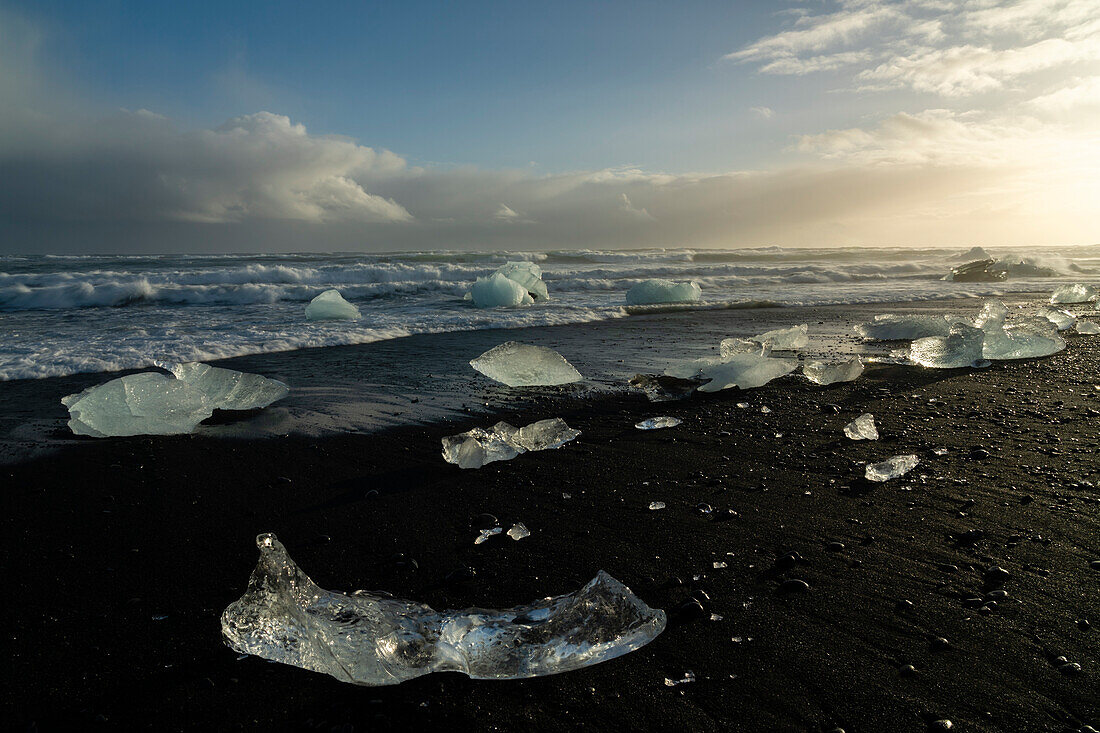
(628, 207)
(764, 113)
(1080, 93)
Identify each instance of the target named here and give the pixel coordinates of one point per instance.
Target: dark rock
(907, 670)
(834, 546)
(794, 585)
(937, 725)
(460, 575)
(940, 644)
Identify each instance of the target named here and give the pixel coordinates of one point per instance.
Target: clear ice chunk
(891, 468)
(650, 292)
(149, 403)
(331, 306)
(1087, 328)
(785, 339)
(733, 346)
(1026, 338)
(518, 531)
(375, 639)
(523, 365)
(1076, 293)
(892, 327)
(655, 505)
(1062, 319)
(656, 423)
(503, 442)
(962, 348)
(745, 371)
(486, 534)
(227, 389)
(528, 275)
(822, 373)
(862, 428)
(498, 290)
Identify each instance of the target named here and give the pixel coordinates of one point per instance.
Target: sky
(247, 127)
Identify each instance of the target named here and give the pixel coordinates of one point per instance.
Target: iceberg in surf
(331, 306)
(523, 365)
(1076, 293)
(785, 339)
(503, 442)
(652, 292)
(151, 403)
(376, 639)
(820, 372)
(528, 275)
(1025, 338)
(513, 283)
(891, 468)
(890, 327)
(862, 428)
(961, 348)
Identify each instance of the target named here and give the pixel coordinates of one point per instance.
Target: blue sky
(348, 125)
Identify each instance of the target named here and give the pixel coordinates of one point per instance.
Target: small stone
(996, 575)
(834, 546)
(690, 611)
(794, 585)
(787, 561)
(940, 644)
(903, 606)
(937, 725)
(1095, 564)
(460, 575)
(1083, 624)
(1070, 669)
(979, 453)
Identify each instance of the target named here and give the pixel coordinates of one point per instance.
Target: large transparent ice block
(523, 365)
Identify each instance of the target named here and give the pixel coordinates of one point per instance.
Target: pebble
(996, 575)
(460, 575)
(941, 725)
(690, 611)
(907, 670)
(979, 453)
(903, 606)
(787, 561)
(1070, 669)
(1095, 564)
(794, 585)
(834, 546)
(940, 644)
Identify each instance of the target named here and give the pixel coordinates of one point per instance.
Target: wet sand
(122, 553)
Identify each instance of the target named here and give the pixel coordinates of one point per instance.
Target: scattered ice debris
(891, 327)
(719, 565)
(651, 292)
(785, 339)
(962, 348)
(1076, 293)
(742, 405)
(689, 676)
(1025, 338)
(730, 347)
(939, 452)
(745, 371)
(523, 365)
(374, 639)
(891, 468)
(486, 534)
(822, 373)
(503, 442)
(715, 617)
(655, 505)
(498, 290)
(1062, 319)
(518, 531)
(331, 306)
(765, 409)
(1087, 328)
(862, 428)
(656, 423)
(151, 403)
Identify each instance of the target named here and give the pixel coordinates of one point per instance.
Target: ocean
(62, 315)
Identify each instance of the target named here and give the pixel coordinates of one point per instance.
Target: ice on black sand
(524, 365)
(503, 442)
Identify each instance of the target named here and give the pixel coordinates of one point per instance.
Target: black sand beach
(122, 553)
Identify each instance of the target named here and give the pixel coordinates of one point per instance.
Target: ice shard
(1087, 328)
(497, 290)
(1062, 319)
(523, 365)
(519, 531)
(891, 468)
(331, 306)
(1076, 293)
(503, 442)
(149, 403)
(649, 292)
(962, 348)
(892, 327)
(732, 346)
(227, 389)
(656, 423)
(862, 428)
(375, 639)
(820, 372)
(528, 275)
(785, 339)
(745, 371)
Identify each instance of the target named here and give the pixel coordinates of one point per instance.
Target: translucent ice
(785, 339)
(732, 346)
(1087, 328)
(150, 403)
(498, 290)
(503, 442)
(227, 389)
(820, 372)
(375, 639)
(656, 423)
(331, 306)
(650, 292)
(1062, 319)
(522, 365)
(1076, 293)
(891, 468)
(518, 531)
(1025, 338)
(486, 534)
(655, 505)
(528, 275)
(962, 348)
(745, 371)
(692, 369)
(862, 428)
(891, 327)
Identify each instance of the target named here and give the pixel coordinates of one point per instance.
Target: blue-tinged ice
(650, 292)
(498, 290)
(523, 365)
(528, 275)
(1087, 328)
(745, 371)
(374, 639)
(658, 423)
(732, 346)
(1024, 338)
(503, 442)
(785, 339)
(1076, 293)
(892, 327)
(820, 372)
(961, 348)
(228, 389)
(331, 306)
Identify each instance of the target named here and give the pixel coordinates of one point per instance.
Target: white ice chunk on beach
(785, 339)
(528, 275)
(659, 422)
(1087, 328)
(820, 372)
(651, 292)
(745, 371)
(862, 428)
(890, 327)
(375, 639)
(891, 468)
(519, 531)
(150, 403)
(1025, 338)
(1076, 293)
(503, 442)
(523, 365)
(227, 389)
(962, 348)
(1062, 319)
(331, 306)
(497, 290)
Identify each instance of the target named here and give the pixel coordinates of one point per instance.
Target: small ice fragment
(939, 452)
(742, 405)
(785, 339)
(1076, 293)
(891, 468)
(503, 442)
(650, 292)
(372, 639)
(765, 409)
(961, 348)
(822, 373)
(497, 290)
(523, 365)
(1062, 319)
(331, 306)
(718, 565)
(689, 676)
(486, 534)
(1087, 328)
(518, 531)
(656, 423)
(745, 371)
(715, 617)
(655, 505)
(892, 327)
(862, 428)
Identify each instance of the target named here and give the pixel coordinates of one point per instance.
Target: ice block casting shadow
(372, 639)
